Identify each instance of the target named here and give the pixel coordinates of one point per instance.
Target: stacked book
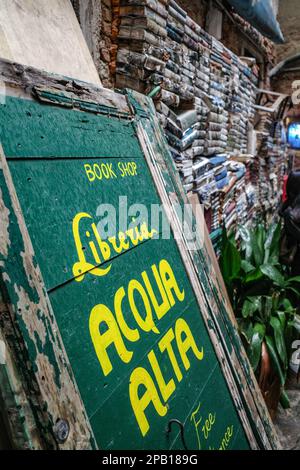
(240, 112)
(141, 39)
(204, 97)
(271, 166)
(182, 129)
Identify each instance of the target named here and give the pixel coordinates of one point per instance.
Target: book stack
(141, 38)
(216, 139)
(204, 96)
(241, 107)
(182, 129)
(265, 44)
(271, 166)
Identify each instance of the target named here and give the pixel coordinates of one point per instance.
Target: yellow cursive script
(101, 250)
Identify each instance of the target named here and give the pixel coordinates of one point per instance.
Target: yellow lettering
(140, 377)
(97, 171)
(129, 333)
(104, 247)
(197, 424)
(209, 422)
(93, 248)
(164, 307)
(104, 170)
(112, 174)
(123, 245)
(181, 327)
(165, 344)
(101, 314)
(89, 172)
(146, 324)
(169, 281)
(82, 266)
(134, 166)
(120, 166)
(130, 234)
(166, 390)
(227, 438)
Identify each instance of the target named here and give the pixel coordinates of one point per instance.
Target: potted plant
(264, 298)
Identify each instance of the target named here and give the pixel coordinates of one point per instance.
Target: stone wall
(100, 22)
(282, 83)
(197, 10)
(289, 19)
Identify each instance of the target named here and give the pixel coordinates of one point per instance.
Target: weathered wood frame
(64, 403)
(220, 318)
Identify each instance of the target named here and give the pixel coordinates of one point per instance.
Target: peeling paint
(5, 276)
(4, 233)
(54, 394)
(2, 352)
(219, 314)
(52, 391)
(30, 316)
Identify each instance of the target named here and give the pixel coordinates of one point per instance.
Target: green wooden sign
(147, 367)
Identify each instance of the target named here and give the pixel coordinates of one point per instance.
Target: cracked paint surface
(4, 235)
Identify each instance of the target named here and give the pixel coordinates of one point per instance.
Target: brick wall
(289, 19)
(196, 9)
(99, 21)
(282, 83)
(95, 18)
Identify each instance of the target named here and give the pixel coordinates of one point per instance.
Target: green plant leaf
(235, 260)
(275, 359)
(296, 322)
(247, 266)
(260, 329)
(250, 306)
(261, 236)
(290, 334)
(246, 242)
(269, 238)
(279, 339)
(276, 301)
(248, 309)
(284, 400)
(282, 319)
(292, 289)
(254, 276)
(246, 329)
(293, 279)
(230, 261)
(268, 304)
(257, 240)
(274, 247)
(254, 350)
(272, 273)
(286, 304)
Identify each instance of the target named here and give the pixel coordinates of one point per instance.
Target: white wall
(45, 34)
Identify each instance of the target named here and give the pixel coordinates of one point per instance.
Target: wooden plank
(215, 271)
(51, 389)
(219, 311)
(73, 301)
(170, 202)
(17, 423)
(212, 374)
(17, 75)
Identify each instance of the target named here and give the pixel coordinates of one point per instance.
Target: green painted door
(126, 310)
